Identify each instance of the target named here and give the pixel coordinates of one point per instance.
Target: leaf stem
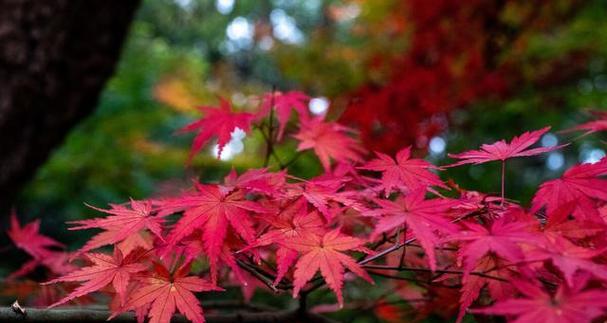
(503, 180)
(270, 138)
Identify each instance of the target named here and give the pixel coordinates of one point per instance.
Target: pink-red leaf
(325, 254)
(122, 223)
(105, 270)
(567, 305)
(423, 217)
(284, 104)
(404, 172)
(29, 239)
(218, 122)
(213, 211)
(580, 186)
(329, 140)
(501, 150)
(165, 293)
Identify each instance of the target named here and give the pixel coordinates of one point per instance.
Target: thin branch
(261, 277)
(385, 252)
(440, 271)
(376, 245)
(273, 152)
(413, 280)
(403, 254)
(292, 160)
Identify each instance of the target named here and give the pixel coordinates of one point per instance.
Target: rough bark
(7, 315)
(55, 57)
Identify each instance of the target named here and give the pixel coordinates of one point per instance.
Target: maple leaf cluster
(390, 221)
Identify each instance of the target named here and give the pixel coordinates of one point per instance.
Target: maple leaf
(503, 238)
(473, 284)
(213, 211)
(285, 229)
(193, 247)
(600, 124)
(283, 104)
(326, 254)
(407, 172)
(123, 223)
(579, 185)
(142, 240)
(115, 270)
(501, 150)
(329, 141)
(256, 180)
(40, 247)
(423, 217)
(218, 121)
(29, 239)
(558, 224)
(320, 191)
(295, 223)
(164, 293)
(56, 261)
(567, 305)
(570, 258)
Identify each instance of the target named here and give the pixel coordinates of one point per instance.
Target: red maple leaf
(220, 122)
(105, 270)
(285, 229)
(592, 126)
(423, 217)
(498, 285)
(162, 293)
(284, 104)
(321, 191)
(503, 237)
(293, 223)
(29, 239)
(40, 247)
(404, 172)
(559, 224)
(569, 304)
(501, 150)
(123, 223)
(570, 258)
(326, 254)
(329, 141)
(212, 210)
(56, 261)
(256, 180)
(579, 185)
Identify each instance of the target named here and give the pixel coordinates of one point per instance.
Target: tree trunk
(55, 57)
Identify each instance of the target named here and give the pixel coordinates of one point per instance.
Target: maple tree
(390, 221)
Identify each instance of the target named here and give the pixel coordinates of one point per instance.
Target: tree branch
(34, 315)
(438, 271)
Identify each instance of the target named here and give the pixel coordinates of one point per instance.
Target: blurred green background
(185, 53)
